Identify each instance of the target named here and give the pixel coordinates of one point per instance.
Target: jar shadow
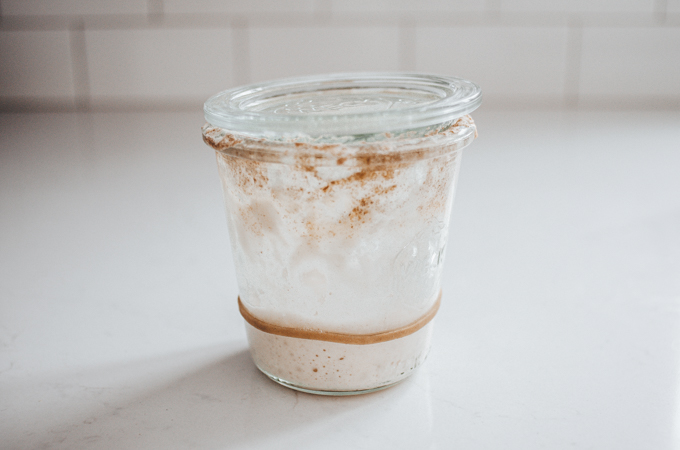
(224, 402)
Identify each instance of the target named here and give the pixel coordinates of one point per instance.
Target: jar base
(330, 368)
(327, 393)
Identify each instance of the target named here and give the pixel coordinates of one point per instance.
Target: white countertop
(559, 326)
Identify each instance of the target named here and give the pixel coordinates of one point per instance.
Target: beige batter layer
(336, 367)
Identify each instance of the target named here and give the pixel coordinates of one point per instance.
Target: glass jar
(338, 191)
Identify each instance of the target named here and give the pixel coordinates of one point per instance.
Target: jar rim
(342, 104)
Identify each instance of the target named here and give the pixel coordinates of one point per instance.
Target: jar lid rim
(342, 104)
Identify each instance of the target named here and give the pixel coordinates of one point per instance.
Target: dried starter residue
(391, 150)
(327, 236)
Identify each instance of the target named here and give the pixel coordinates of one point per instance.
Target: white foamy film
(353, 249)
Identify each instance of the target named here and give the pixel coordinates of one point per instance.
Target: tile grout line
(155, 11)
(241, 51)
(322, 15)
(323, 11)
(81, 77)
(493, 9)
(573, 63)
(661, 11)
(407, 46)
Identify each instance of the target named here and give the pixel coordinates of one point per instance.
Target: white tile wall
(613, 6)
(354, 6)
(507, 62)
(35, 65)
(239, 6)
(71, 7)
(290, 51)
(153, 52)
(159, 63)
(630, 62)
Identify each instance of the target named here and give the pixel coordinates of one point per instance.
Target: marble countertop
(559, 326)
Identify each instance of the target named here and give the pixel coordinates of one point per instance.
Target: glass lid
(342, 104)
